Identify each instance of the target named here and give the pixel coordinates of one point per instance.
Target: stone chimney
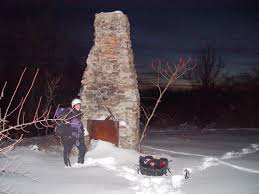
(110, 80)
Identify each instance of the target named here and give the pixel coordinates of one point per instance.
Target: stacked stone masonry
(110, 79)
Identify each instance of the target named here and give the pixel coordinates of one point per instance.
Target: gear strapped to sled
(153, 167)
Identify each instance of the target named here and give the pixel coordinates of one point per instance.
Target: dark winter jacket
(70, 123)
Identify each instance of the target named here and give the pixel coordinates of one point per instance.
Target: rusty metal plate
(106, 130)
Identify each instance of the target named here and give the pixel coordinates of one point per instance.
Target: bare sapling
(40, 119)
(51, 86)
(168, 73)
(50, 90)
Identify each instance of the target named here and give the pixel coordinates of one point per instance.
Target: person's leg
(82, 149)
(68, 145)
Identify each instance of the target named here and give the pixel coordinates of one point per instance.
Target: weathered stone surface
(110, 79)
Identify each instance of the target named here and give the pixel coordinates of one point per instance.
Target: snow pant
(68, 143)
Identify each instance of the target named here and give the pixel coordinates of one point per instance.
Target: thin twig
(27, 94)
(14, 93)
(179, 70)
(2, 92)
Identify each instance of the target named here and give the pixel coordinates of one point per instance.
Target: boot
(67, 161)
(81, 160)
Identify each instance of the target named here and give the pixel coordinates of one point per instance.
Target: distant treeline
(227, 106)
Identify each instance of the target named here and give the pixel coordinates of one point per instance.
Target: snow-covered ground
(218, 163)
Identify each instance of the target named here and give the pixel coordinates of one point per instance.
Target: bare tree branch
(27, 94)
(2, 92)
(39, 120)
(14, 93)
(208, 68)
(170, 76)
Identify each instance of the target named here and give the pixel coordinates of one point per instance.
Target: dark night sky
(164, 29)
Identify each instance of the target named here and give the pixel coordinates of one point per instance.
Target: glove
(85, 132)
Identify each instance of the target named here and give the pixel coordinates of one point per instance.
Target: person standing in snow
(71, 130)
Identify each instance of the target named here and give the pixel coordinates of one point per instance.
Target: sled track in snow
(175, 152)
(139, 183)
(238, 167)
(210, 161)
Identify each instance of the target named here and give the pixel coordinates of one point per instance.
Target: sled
(153, 167)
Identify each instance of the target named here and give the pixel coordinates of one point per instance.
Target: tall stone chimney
(110, 80)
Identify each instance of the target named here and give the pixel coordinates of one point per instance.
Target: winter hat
(75, 101)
